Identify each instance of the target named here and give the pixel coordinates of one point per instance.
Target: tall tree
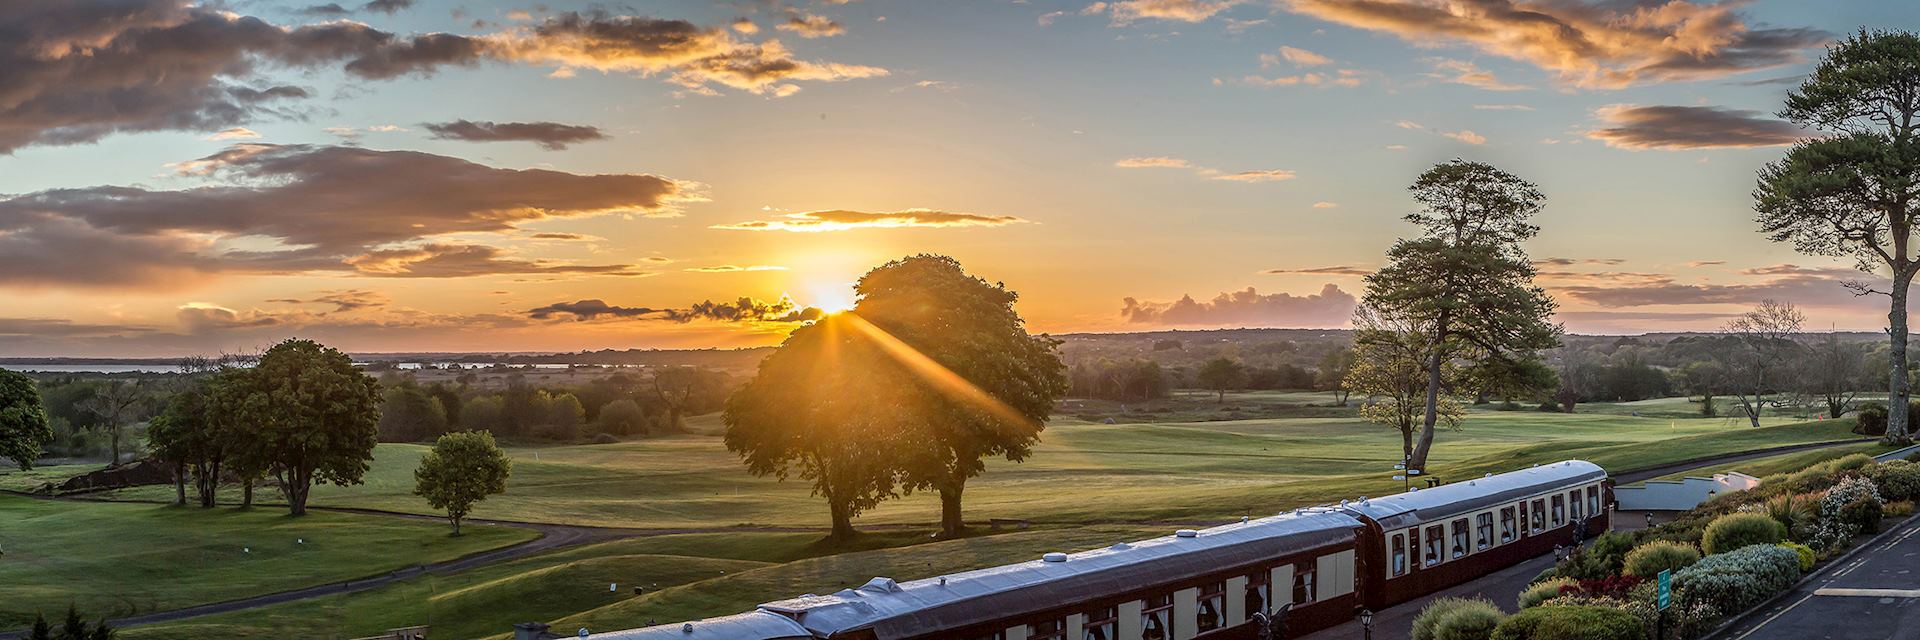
(316, 418)
(23, 420)
(1764, 350)
(408, 413)
(1389, 372)
(118, 403)
(806, 413)
(1704, 378)
(1465, 278)
(463, 468)
(1222, 375)
(1856, 193)
(678, 388)
(980, 385)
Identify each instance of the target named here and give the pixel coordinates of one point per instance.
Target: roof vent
(686, 628)
(1343, 502)
(1487, 476)
(1245, 519)
(847, 593)
(943, 581)
(883, 585)
(1054, 557)
(1186, 533)
(1412, 489)
(1120, 546)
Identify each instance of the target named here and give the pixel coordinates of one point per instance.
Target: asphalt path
(1872, 595)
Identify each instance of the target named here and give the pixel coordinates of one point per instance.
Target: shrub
(1871, 420)
(1457, 619)
(1794, 511)
(1837, 524)
(1648, 560)
(1896, 479)
(1608, 587)
(1600, 560)
(1900, 509)
(1806, 555)
(1736, 530)
(1848, 463)
(1571, 623)
(1733, 581)
(1863, 515)
(1543, 591)
(1434, 618)
(606, 438)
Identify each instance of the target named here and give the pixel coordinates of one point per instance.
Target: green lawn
(1783, 463)
(1081, 473)
(119, 559)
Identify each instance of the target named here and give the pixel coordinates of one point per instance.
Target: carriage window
(1509, 526)
(1256, 597)
(1593, 500)
(1459, 548)
(1102, 624)
(1573, 502)
(1559, 511)
(1156, 620)
(1435, 540)
(1212, 613)
(1483, 530)
(1303, 591)
(1399, 554)
(1049, 630)
(1539, 516)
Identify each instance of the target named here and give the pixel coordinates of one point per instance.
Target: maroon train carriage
(1328, 562)
(1432, 539)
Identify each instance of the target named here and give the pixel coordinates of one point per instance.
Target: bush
(1543, 591)
(1456, 619)
(1733, 581)
(1839, 521)
(1571, 623)
(1896, 479)
(1648, 560)
(1806, 555)
(1600, 560)
(606, 438)
(1863, 515)
(1736, 530)
(1794, 511)
(1848, 463)
(1899, 509)
(1871, 420)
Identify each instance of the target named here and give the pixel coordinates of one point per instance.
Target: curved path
(557, 536)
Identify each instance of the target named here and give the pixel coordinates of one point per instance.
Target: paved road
(1875, 595)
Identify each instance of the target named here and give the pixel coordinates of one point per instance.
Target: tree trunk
(180, 484)
(456, 525)
(1406, 445)
(1432, 417)
(246, 493)
(113, 437)
(1898, 431)
(1223, 397)
(297, 483)
(950, 523)
(1706, 406)
(842, 519)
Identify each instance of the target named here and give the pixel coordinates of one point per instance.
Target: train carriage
(1326, 562)
(1435, 538)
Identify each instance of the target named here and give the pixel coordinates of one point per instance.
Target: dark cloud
(840, 220)
(343, 301)
(811, 26)
(1568, 262)
(388, 7)
(198, 318)
(1588, 43)
(1339, 270)
(1805, 290)
(468, 260)
(78, 71)
(744, 309)
(1677, 127)
(1249, 308)
(331, 9)
(1797, 270)
(550, 135)
(55, 327)
(327, 208)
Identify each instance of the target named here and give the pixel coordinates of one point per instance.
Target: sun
(833, 297)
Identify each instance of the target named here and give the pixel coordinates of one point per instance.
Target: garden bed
(1728, 556)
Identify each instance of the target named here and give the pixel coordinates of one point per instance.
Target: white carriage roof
(921, 607)
(1450, 500)
(755, 625)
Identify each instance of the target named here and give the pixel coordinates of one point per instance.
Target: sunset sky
(461, 175)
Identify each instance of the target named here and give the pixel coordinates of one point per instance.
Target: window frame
(1306, 587)
(1558, 509)
(1216, 594)
(1483, 531)
(1057, 632)
(1157, 609)
(1433, 553)
(1397, 558)
(1093, 625)
(1258, 584)
(1459, 540)
(1539, 514)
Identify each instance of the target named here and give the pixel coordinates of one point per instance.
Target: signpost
(1665, 599)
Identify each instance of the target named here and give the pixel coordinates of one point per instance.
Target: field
(1090, 483)
(121, 559)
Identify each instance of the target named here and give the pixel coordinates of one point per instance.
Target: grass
(13, 479)
(120, 559)
(1783, 463)
(485, 602)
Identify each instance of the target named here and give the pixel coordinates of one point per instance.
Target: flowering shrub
(1736, 530)
(1544, 590)
(1571, 623)
(1608, 587)
(1838, 523)
(1456, 619)
(1740, 578)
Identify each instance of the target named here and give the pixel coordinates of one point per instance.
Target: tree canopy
(23, 420)
(315, 417)
(463, 468)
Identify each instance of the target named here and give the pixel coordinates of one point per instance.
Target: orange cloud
(842, 220)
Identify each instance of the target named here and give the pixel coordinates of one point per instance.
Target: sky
(465, 175)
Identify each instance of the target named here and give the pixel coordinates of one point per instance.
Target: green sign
(1666, 589)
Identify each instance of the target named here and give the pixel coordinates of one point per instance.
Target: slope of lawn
(1783, 463)
(486, 601)
(119, 559)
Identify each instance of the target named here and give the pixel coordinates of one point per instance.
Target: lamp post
(1366, 624)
